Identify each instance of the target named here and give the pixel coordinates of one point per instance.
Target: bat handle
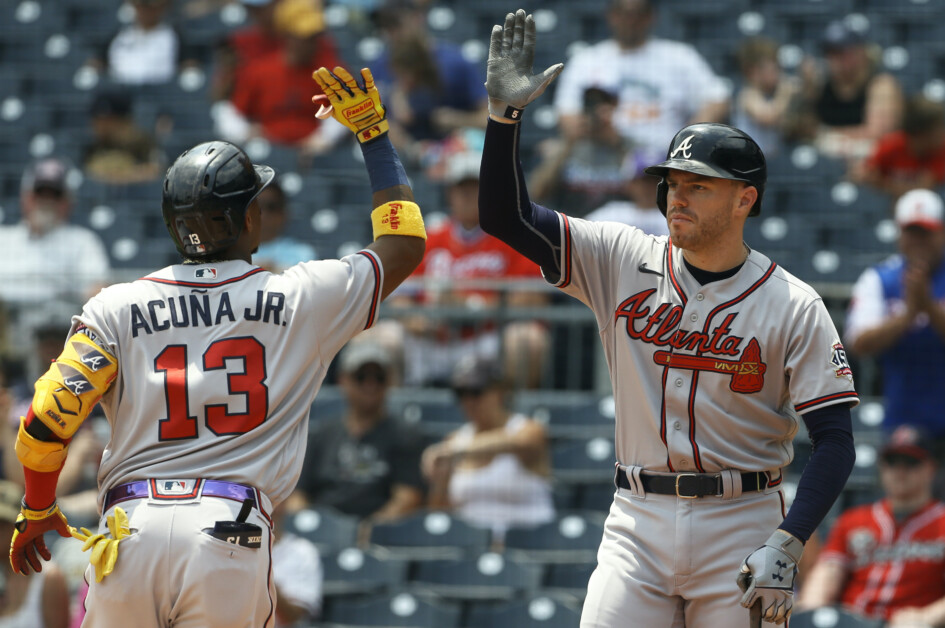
(754, 614)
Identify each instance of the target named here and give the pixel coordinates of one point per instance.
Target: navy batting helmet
(206, 192)
(713, 150)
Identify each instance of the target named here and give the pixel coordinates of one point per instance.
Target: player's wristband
(398, 218)
(513, 113)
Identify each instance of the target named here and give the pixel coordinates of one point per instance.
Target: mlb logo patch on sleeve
(205, 273)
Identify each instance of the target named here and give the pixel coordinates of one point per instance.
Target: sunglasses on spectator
(374, 375)
(901, 460)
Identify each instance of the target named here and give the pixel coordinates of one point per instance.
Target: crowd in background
(612, 112)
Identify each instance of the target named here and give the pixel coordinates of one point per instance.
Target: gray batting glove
(768, 573)
(509, 79)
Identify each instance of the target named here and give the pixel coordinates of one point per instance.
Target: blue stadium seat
(569, 578)
(433, 417)
(539, 611)
(327, 528)
(579, 417)
(429, 536)
(489, 576)
(569, 538)
(329, 404)
(351, 571)
(582, 461)
(596, 497)
(831, 617)
(396, 609)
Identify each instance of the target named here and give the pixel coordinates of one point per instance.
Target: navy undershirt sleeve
(826, 473)
(505, 210)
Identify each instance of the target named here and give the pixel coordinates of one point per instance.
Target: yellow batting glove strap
(38, 455)
(398, 218)
(358, 108)
(38, 515)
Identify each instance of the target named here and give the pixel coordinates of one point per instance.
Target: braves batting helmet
(206, 193)
(713, 150)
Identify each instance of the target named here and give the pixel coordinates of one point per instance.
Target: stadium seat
(831, 617)
(569, 538)
(575, 417)
(582, 461)
(596, 497)
(351, 571)
(429, 535)
(329, 404)
(396, 609)
(327, 528)
(569, 578)
(433, 417)
(540, 611)
(489, 576)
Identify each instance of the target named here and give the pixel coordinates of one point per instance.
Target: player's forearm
(826, 473)
(505, 210)
(883, 336)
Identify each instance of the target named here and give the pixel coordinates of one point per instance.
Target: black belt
(691, 485)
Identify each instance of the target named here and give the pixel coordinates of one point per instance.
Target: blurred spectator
(272, 96)
(9, 424)
(365, 463)
(637, 206)
(43, 257)
(459, 251)
(847, 103)
(259, 39)
(493, 471)
(120, 151)
(897, 314)
(766, 94)
(662, 85)
(912, 157)
(40, 601)
(429, 88)
(887, 559)
(296, 571)
(277, 251)
(580, 172)
(147, 51)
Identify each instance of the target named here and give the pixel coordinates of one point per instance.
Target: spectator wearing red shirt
(912, 157)
(259, 39)
(272, 96)
(459, 252)
(887, 559)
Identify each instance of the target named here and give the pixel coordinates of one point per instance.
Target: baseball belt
(691, 485)
(206, 488)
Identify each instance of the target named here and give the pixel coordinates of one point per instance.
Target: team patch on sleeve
(838, 360)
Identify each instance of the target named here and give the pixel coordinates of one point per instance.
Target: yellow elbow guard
(67, 392)
(38, 455)
(398, 218)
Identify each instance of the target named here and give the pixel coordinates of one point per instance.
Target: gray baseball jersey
(710, 377)
(219, 364)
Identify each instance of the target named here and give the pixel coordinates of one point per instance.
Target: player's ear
(746, 198)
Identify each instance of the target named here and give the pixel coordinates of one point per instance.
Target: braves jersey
(890, 565)
(705, 377)
(219, 364)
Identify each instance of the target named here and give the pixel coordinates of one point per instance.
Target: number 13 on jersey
(172, 362)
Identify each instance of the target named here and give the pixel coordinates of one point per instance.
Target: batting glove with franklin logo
(509, 79)
(358, 108)
(768, 574)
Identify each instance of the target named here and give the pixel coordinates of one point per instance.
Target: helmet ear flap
(662, 191)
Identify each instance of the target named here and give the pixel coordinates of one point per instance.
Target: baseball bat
(754, 614)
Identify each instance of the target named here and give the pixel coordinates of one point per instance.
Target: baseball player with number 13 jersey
(715, 354)
(206, 371)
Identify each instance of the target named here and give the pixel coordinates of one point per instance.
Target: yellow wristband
(398, 218)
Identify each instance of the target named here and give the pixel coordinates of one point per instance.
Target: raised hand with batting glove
(767, 575)
(358, 108)
(509, 79)
(28, 540)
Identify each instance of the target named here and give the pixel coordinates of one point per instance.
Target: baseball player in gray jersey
(715, 355)
(206, 371)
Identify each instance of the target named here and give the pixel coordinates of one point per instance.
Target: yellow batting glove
(104, 549)
(358, 108)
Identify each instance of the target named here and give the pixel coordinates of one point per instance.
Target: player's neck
(717, 259)
(905, 507)
(359, 423)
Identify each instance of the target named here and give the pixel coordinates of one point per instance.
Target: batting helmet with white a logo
(713, 150)
(206, 193)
